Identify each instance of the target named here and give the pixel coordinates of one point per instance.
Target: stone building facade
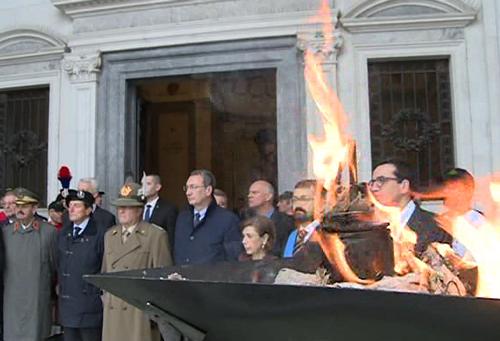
(96, 56)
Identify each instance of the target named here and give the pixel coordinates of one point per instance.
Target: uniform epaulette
(158, 227)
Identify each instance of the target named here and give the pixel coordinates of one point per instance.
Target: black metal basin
(220, 303)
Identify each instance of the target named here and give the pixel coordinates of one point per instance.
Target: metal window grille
(411, 115)
(24, 135)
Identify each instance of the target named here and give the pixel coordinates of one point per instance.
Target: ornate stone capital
(316, 43)
(82, 68)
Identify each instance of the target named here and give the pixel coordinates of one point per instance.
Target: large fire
(333, 153)
(333, 157)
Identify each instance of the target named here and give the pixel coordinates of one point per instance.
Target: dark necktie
(196, 220)
(76, 231)
(147, 215)
(299, 243)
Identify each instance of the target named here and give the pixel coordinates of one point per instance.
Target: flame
(481, 236)
(482, 240)
(404, 239)
(331, 151)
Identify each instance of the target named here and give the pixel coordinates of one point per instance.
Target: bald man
(261, 202)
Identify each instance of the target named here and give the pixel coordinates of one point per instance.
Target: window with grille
(411, 115)
(23, 139)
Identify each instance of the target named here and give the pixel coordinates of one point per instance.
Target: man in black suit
(261, 202)
(392, 184)
(103, 217)
(159, 211)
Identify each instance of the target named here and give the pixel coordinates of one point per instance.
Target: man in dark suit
(261, 202)
(392, 184)
(103, 217)
(80, 250)
(205, 233)
(159, 211)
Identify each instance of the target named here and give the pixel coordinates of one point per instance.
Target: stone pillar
(314, 40)
(78, 113)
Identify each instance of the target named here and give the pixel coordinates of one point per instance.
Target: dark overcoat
(80, 304)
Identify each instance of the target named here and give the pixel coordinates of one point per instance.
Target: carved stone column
(82, 68)
(314, 40)
(78, 108)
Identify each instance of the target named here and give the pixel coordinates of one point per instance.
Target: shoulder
(45, 226)
(149, 228)
(220, 213)
(424, 215)
(165, 203)
(103, 212)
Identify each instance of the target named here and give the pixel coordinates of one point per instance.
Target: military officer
(131, 244)
(29, 272)
(80, 248)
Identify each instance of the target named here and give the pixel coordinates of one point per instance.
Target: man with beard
(29, 272)
(303, 208)
(306, 253)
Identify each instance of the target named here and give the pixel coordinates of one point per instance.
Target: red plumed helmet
(64, 176)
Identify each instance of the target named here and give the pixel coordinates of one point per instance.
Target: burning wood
(437, 273)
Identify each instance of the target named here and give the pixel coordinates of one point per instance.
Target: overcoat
(147, 247)
(80, 304)
(29, 274)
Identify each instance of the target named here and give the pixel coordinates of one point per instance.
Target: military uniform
(29, 274)
(145, 247)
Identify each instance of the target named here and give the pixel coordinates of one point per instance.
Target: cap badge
(126, 190)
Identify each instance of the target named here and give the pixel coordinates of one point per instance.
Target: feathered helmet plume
(64, 176)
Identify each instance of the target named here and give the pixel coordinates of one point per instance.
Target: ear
(265, 238)
(209, 190)
(158, 187)
(405, 186)
(269, 197)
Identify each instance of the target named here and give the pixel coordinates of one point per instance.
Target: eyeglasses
(303, 198)
(381, 180)
(191, 187)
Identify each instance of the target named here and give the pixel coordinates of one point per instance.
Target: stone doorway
(224, 121)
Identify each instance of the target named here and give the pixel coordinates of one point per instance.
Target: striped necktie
(197, 219)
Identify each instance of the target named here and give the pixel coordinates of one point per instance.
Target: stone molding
(80, 8)
(396, 15)
(82, 68)
(18, 45)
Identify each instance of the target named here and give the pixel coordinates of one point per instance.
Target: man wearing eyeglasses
(392, 185)
(205, 232)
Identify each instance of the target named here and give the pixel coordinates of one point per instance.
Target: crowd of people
(43, 261)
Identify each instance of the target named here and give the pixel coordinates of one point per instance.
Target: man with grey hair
(261, 202)
(205, 232)
(102, 217)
